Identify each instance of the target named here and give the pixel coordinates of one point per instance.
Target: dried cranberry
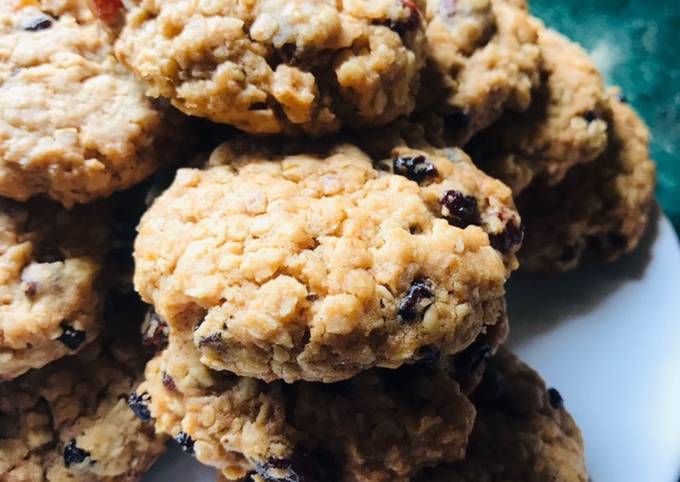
(139, 404)
(508, 239)
(418, 297)
(458, 209)
(214, 341)
(169, 383)
(70, 337)
(155, 330)
(39, 23)
(415, 168)
(555, 399)
(74, 454)
(107, 10)
(403, 26)
(456, 120)
(185, 442)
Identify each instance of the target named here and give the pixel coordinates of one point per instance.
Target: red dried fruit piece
(409, 23)
(107, 10)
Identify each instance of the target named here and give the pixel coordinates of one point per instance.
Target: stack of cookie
(325, 282)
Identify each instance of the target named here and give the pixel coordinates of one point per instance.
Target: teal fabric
(636, 43)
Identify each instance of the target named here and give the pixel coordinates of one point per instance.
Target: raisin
(213, 341)
(39, 23)
(139, 404)
(590, 116)
(458, 209)
(74, 454)
(508, 239)
(155, 330)
(456, 120)
(555, 399)
(70, 337)
(417, 299)
(409, 23)
(415, 168)
(185, 442)
(169, 383)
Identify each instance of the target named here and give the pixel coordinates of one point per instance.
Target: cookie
(381, 425)
(50, 259)
(316, 264)
(522, 432)
(600, 209)
(72, 421)
(279, 66)
(74, 125)
(483, 59)
(566, 124)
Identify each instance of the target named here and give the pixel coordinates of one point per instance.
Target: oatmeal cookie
(317, 264)
(382, 425)
(522, 432)
(279, 66)
(74, 125)
(483, 59)
(71, 421)
(600, 208)
(50, 259)
(566, 124)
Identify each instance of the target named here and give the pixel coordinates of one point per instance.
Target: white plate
(608, 337)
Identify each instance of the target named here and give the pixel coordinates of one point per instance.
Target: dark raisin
(456, 120)
(304, 466)
(139, 404)
(185, 442)
(30, 288)
(312, 297)
(458, 209)
(555, 399)
(213, 341)
(590, 116)
(155, 330)
(70, 337)
(417, 299)
(169, 383)
(403, 26)
(39, 23)
(508, 239)
(470, 359)
(415, 168)
(74, 454)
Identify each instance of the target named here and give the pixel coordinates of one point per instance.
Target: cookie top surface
(483, 59)
(70, 421)
(566, 124)
(317, 265)
(522, 432)
(74, 125)
(279, 66)
(50, 259)
(381, 425)
(609, 206)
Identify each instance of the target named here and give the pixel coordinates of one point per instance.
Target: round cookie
(50, 259)
(483, 59)
(600, 209)
(381, 425)
(74, 125)
(522, 432)
(318, 264)
(70, 421)
(279, 66)
(566, 124)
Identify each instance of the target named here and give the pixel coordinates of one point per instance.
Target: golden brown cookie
(74, 126)
(279, 66)
(316, 264)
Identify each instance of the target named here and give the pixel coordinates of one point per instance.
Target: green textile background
(636, 43)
